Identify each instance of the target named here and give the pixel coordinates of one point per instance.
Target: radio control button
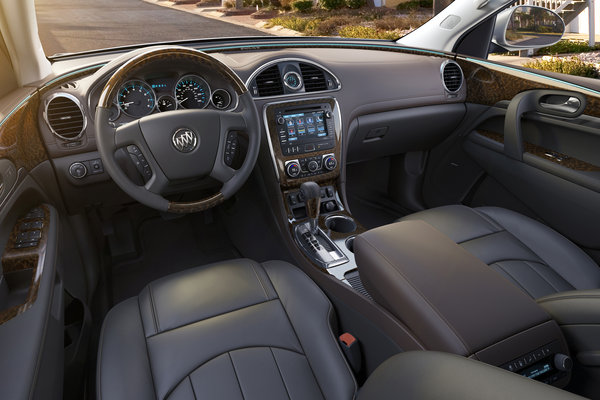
(280, 121)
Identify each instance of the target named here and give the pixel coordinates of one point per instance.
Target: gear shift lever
(312, 198)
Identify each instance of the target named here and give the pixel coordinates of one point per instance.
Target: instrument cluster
(137, 98)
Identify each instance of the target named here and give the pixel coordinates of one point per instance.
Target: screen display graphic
(305, 125)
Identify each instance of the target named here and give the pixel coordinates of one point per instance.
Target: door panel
(552, 166)
(31, 292)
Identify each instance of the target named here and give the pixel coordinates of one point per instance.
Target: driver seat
(232, 330)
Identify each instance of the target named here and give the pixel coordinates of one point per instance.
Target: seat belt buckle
(351, 348)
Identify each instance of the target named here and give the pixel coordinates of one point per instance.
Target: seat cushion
(534, 257)
(231, 330)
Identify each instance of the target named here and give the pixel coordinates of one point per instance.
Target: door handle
(563, 104)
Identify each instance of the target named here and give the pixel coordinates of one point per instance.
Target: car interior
(298, 218)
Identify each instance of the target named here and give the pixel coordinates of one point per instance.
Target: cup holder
(340, 223)
(350, 243)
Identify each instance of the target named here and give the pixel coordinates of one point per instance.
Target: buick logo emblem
(184, 140)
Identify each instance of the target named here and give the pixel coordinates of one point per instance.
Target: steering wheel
(178, 145)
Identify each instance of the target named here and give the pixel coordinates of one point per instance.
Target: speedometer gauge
(192, 91)
(136, 99)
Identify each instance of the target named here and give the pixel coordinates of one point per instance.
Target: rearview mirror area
(527, 27)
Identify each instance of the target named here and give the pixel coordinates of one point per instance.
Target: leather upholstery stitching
(488, 219)
(192, 386)
(147, 351)
(280, 374)
(212, 316)
(236, 375)
(542, 276)
(512, 278)
(296, 334)
(259, 281)
(423, 298)
(154, 315)
(481, 236)
(226, 352)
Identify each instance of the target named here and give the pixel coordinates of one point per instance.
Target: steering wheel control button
(78, 170)
(330, 162)
(292, 168)
(231, 146)
(139, 161)
(184, 140)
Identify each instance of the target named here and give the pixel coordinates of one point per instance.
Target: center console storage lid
(449, 298)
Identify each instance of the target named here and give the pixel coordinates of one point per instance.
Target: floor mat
(169, 246)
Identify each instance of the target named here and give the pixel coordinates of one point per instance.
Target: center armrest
(450, 299)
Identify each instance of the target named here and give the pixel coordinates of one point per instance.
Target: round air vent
(64, 116)
(452, 76)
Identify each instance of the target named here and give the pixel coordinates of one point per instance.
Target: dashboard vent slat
(452, 77)
(65, 117)
(269, 82)
(313, 77)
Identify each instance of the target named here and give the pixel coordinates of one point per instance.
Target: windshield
(70, 26)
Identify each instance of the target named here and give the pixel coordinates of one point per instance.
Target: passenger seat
(534, 257)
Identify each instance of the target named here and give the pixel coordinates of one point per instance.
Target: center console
(455, 303)
(305, 140)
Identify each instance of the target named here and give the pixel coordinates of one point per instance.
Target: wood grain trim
(174, 55)
(487, 86)
(280, 158)
(20, 139)
(196, 206)
(29, 259)
(546, 154)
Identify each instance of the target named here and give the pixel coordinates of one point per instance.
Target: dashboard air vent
(452, 76)
(65, 117)
(269, 82)
(313, 77)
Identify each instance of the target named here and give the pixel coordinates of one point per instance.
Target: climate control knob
(330, 163)
(313, 166)
(292, 169)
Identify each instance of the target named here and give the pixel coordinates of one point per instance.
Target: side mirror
(527, 27)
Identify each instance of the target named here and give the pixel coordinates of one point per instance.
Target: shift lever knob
(312, 198)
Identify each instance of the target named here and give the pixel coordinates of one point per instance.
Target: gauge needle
(128, 103)
(184, 100)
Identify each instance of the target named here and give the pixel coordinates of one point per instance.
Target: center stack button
(292, 168)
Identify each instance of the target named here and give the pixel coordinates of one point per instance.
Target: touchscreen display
(305, 125)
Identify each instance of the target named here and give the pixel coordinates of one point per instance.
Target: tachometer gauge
(136, 99)
(221, 99)
(166, 103)
(192, 91)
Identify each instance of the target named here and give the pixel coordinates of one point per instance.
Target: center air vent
(313, 77)
(452, 76)
(269, 83)
(65, 117)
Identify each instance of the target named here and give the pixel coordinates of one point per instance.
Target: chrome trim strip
(279, 60)
(77, 103)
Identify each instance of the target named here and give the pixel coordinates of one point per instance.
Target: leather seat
(534, 257)
(232, 330)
